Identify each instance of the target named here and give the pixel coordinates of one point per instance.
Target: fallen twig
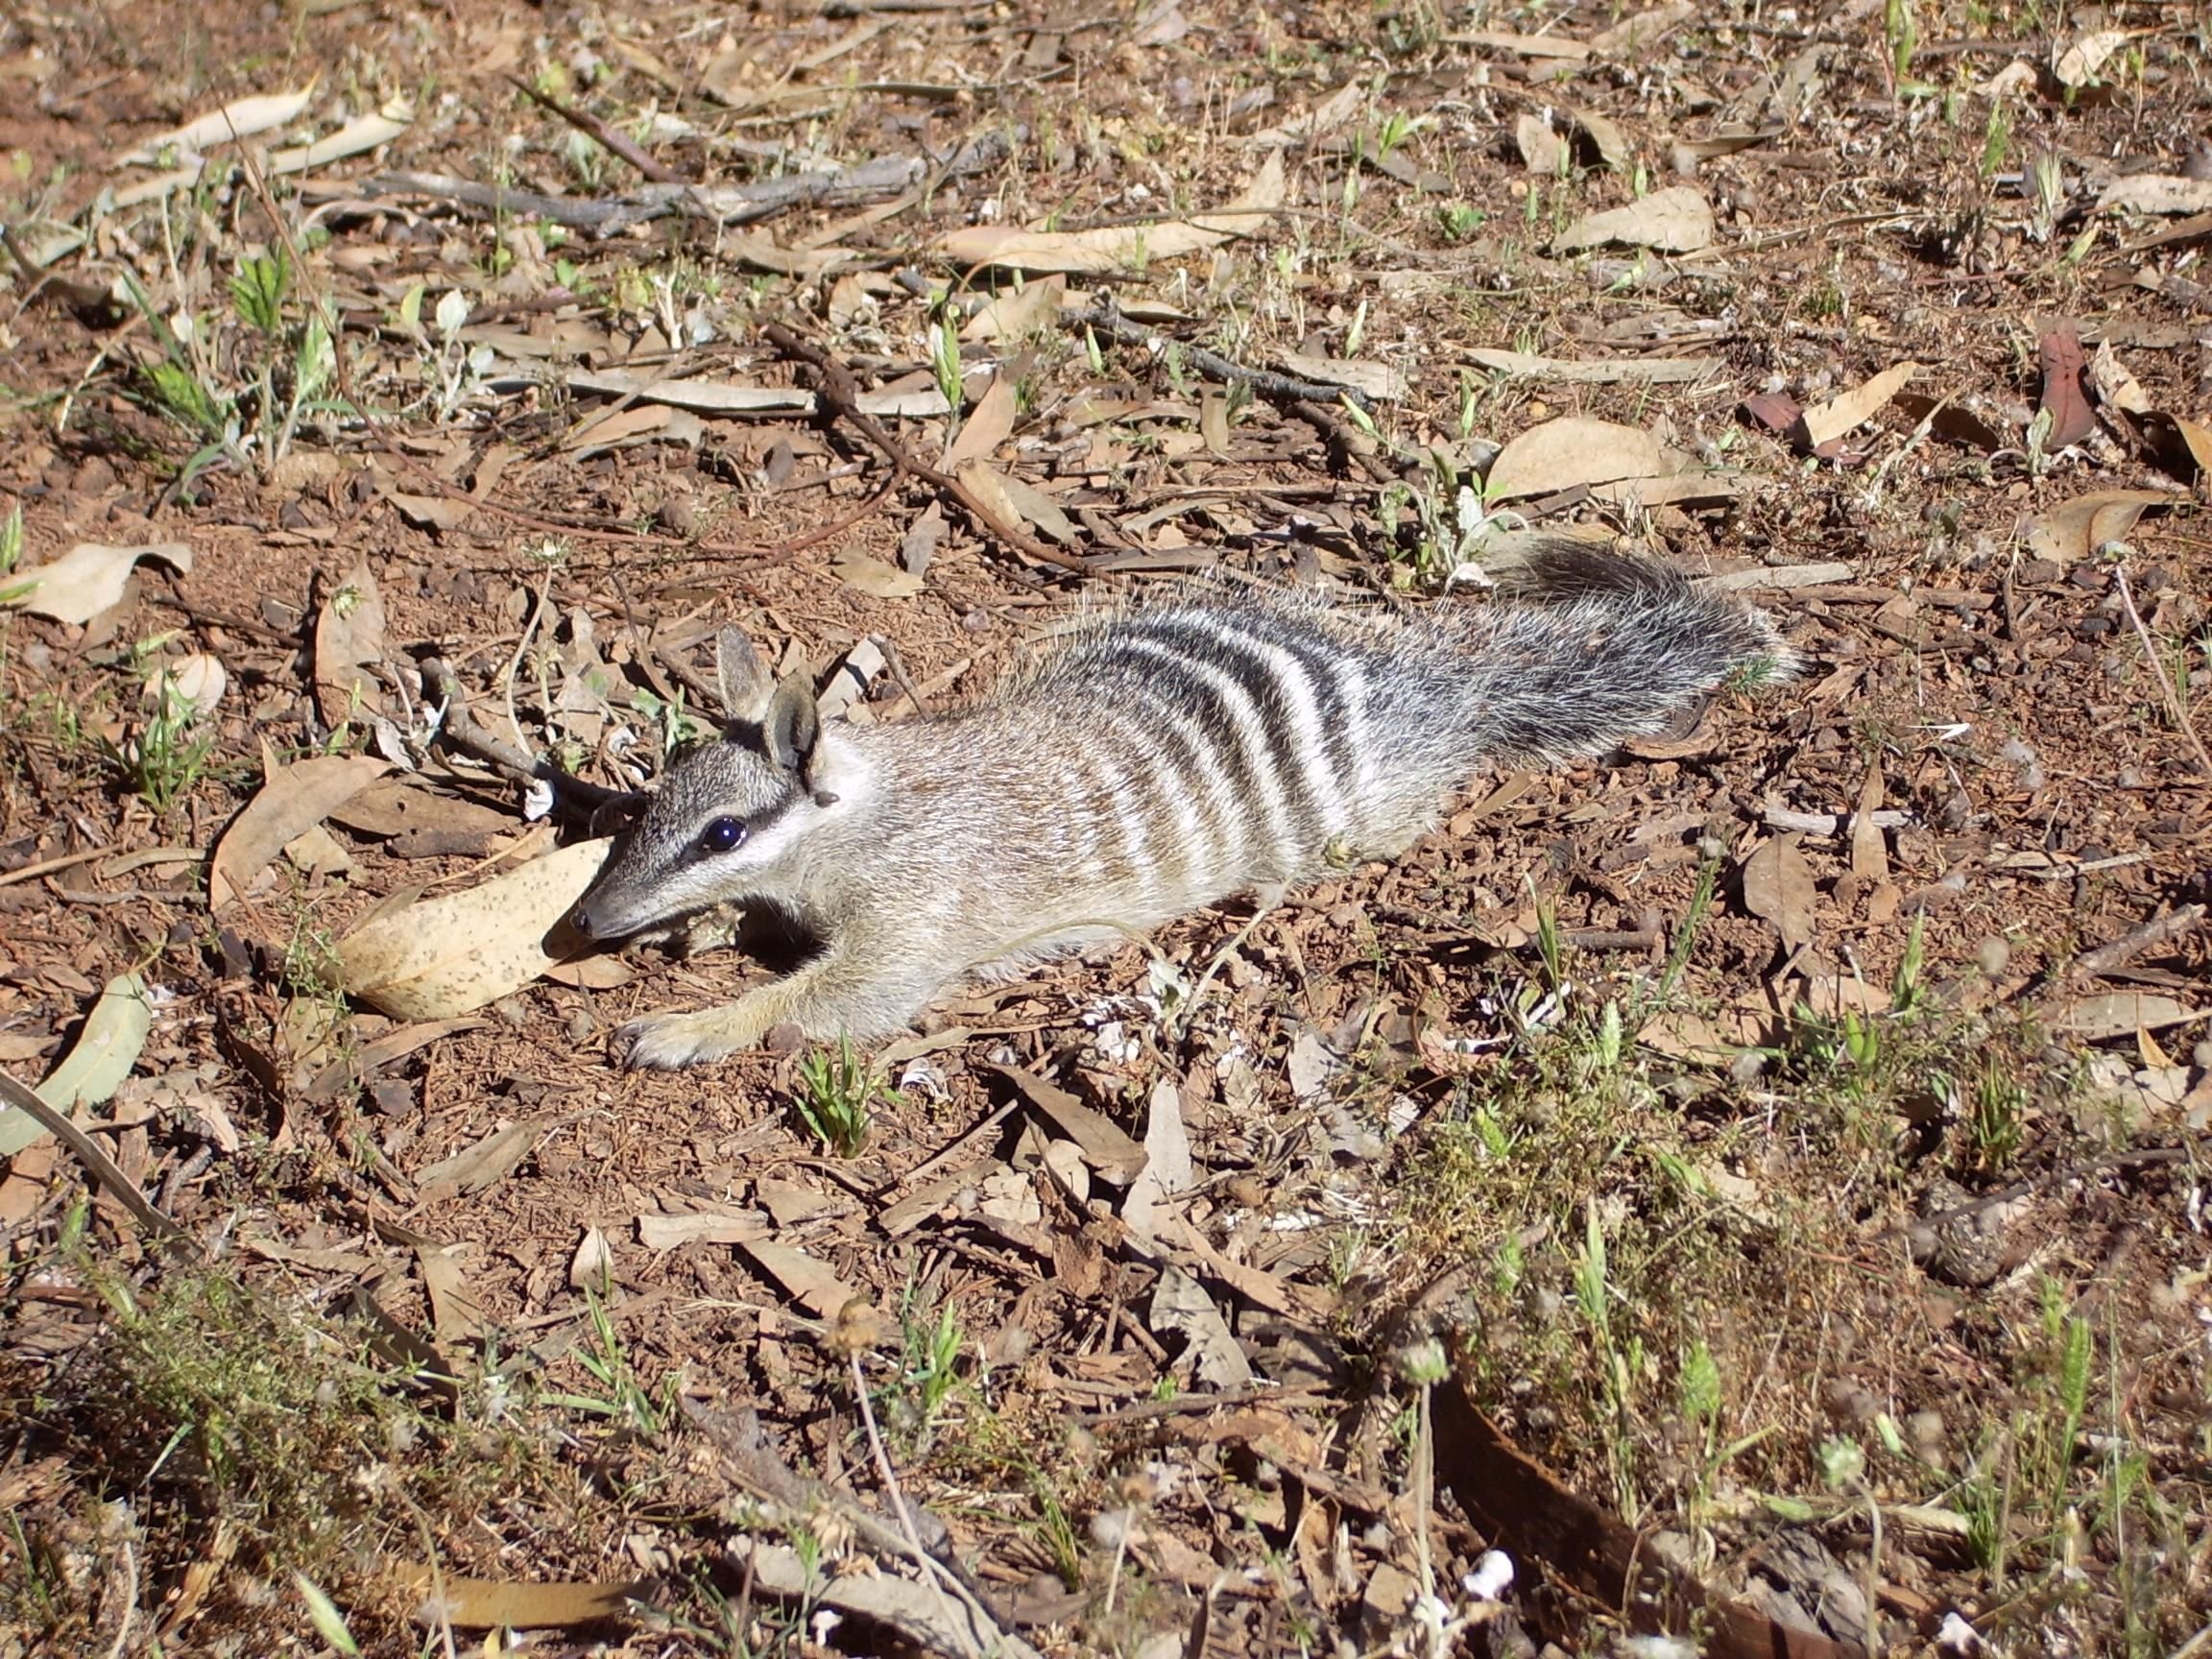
(103, 1168)
(2176, 711)
(723, 203)
(840, 393)
(457, 729)
(2136, 940)
(592, 126)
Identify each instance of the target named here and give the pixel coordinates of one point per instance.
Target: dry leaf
(593, 1268)
(1038, 509)
(96, 1065)
(456, 1314)
(197, 680)
(241, 118)
(1376, 380)
(872, 576)
(1778, 889)
(1675, 220)
(295, 798)
(989, 424)
(1111, 1154)
(1117, 248)
(2115, 386)
(85, 581)
(2119, 1013)
(1631, 34)
(1018, 313)
(2063, 365)
(802, 1278)
(1543, 152)
(504, 1604)
(1612, 144)
(1572, 450)
(1869, 852)
(2077, 66)
(488, 1162)
(1825, 422)
(440, 513)
(2156, 193)
(438, 957)
(2075, 529)
(1180, 1304)
(362, 133)
(1169, 1171)
(918, 544)
(349, 637)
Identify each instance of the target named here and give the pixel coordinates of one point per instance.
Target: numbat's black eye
(723, 835)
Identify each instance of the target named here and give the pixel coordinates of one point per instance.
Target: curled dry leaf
(295, 799)
(2079, 64)
(86, 580)
(348, 639)
(1675, 220)
(2073, 529)
(1825, 422)
(240, 118)
(1778, 889)
(2156, 193)
(1543, 152)
(2064, 363)
(197, 679)
(438, 957)
(1180, 1304)
(1572, 450)
(2121, 1013)
(94, 1068)
(1117, 248)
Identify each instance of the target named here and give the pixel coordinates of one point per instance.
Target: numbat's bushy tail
(1145, 764)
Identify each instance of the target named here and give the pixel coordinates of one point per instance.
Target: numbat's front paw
(669, 1042)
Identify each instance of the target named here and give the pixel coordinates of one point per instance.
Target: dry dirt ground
(1749, 1187)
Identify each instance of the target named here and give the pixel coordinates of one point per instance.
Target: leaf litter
(1921, 920)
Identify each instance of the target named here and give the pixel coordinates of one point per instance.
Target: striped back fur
(1149, 763)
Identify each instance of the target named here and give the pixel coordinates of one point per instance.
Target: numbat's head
(729, 814)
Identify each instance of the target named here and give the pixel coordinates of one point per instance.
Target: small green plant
(2047, 173)
(945, 362)
(12, 555)
(1996, 139)
(1459, 219)
(171, 751)
(624, 1399)
(928, 1373)
(679, 728)
(1694, 918)
(1902, 31)
(1620, 1362)
(836, 1089)
(1996, 1116)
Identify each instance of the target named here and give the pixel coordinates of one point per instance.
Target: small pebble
(1992, 955)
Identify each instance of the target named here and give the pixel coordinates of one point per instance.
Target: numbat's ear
(791, 728)
(747, 685)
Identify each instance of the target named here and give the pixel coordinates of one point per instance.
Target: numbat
(1141, 766)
